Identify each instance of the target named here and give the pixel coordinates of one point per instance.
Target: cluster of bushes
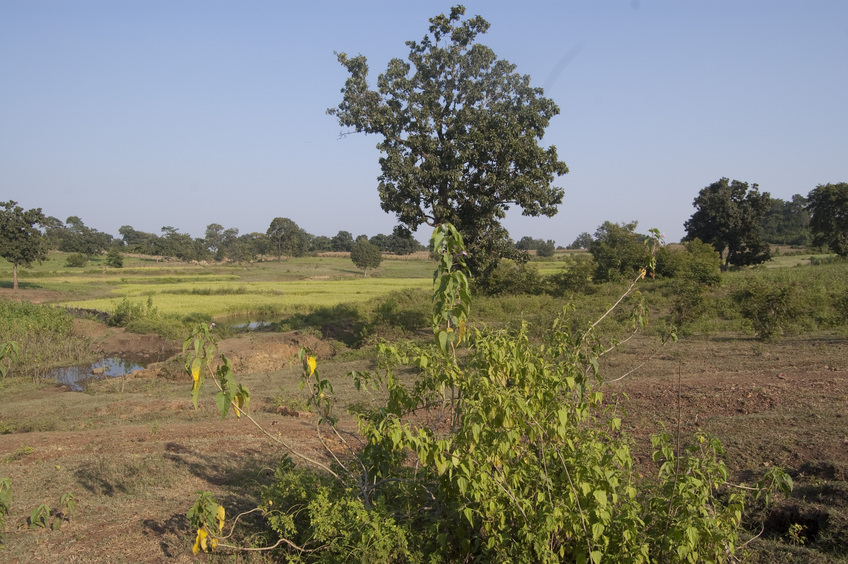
(144, 317)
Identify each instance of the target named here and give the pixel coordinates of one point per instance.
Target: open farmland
(271, 287)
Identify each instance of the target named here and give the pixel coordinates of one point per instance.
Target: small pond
(111, 367)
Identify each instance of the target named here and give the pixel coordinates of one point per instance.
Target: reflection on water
(248, 323)
(73, 376)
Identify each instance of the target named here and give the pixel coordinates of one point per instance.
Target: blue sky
(188, 112)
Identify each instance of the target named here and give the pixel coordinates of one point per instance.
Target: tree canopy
(787, 222)
(365, 255)
(828, 206)
(729, 216)
(618, 251)
(461, 134)
(21, 243)
(287, 238)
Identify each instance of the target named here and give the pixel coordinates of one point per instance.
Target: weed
(39, 516)
(19, 454)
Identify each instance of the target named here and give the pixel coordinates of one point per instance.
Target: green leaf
(597, 531)
(601, 497)
(443, 341)
(469, 515)
(222, 400)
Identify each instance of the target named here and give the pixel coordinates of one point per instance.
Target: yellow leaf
(312, 364)
(195, 374)
(200, 541)
(221, 515)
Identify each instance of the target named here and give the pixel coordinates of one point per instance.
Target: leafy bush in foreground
(506, 451)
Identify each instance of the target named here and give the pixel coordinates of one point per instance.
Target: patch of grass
(111, 475)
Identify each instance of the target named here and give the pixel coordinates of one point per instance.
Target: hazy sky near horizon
(189, 112)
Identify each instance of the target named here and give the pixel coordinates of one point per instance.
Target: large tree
(287, 238)
(21, 243)
(828, 206)
(729, 216)
(461, 133)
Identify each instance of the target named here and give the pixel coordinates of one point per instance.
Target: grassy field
(287, 286)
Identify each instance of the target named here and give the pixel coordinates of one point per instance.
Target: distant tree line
(283, 238)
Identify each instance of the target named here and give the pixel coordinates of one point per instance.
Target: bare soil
(134, 452)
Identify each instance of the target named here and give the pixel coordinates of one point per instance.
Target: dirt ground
(135, 452)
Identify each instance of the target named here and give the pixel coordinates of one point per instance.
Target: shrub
(768, 306)
(115, 258)
(510, 278)
(76, 260)
(126, 312)
(697, 262)
(575, 276)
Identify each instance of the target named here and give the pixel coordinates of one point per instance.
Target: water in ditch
(111, 367)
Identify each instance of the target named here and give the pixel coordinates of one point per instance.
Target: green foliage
(546, 248)
(694, 269)
(126, 312)
(285, 237)
(510, 278)
(39, 516)
(582, 241)
(8, 354)
(460, 136)
(575, 277)
(788, 222)
(329, 519)
(769, 307)
(728, 216)
(401, 312)
(201, 349)
(696, 261)
(618, 251)
(207, 518)
(543, 248)
(365, 255)
(68, 503)
(828, 205)
(21, 243)
(5, 504)
(76, 260)
(43, 335)
(115, 258)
